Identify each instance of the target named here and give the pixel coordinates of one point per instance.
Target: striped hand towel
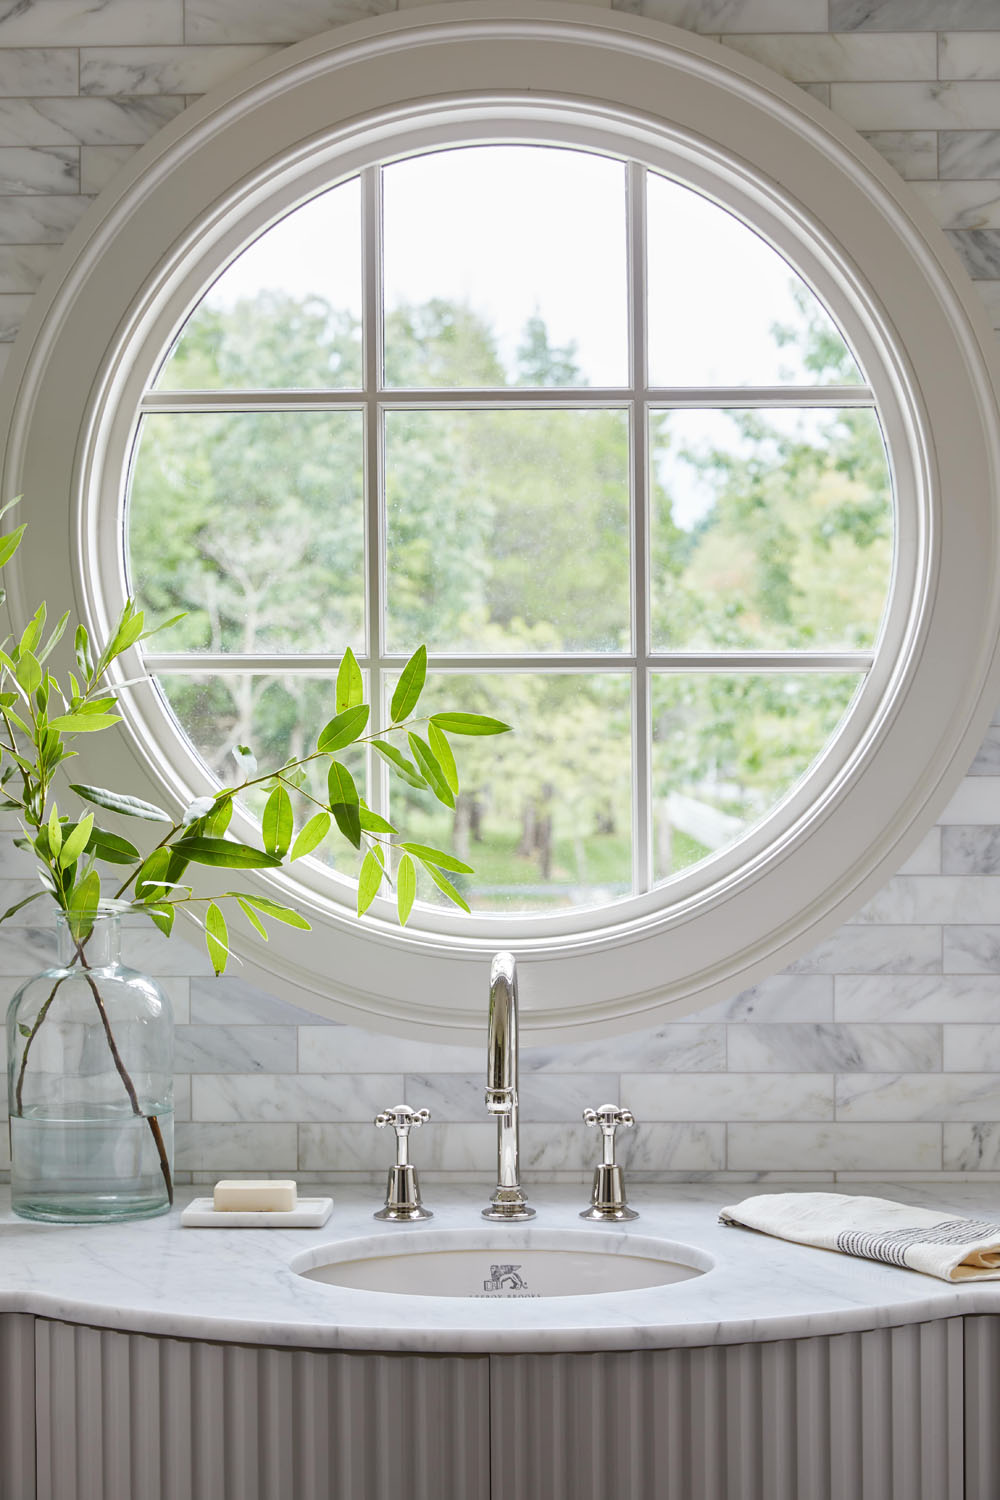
(920, 1239)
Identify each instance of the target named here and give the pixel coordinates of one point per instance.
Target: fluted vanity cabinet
(906, 1413)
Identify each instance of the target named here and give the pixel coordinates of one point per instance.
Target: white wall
(875, 1054)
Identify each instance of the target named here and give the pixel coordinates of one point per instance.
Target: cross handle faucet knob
(609, 1117)
(608, 1199)
(402, 1118)
(402, 1196)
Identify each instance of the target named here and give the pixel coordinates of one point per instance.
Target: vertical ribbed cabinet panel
(859, 1416)
(982, 1406)
(127, 1417)
(17, 1406)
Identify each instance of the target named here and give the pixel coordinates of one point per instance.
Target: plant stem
(27, 1045)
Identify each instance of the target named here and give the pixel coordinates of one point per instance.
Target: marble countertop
(239, 1285)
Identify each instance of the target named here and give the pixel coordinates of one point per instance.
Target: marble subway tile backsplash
(879, 1050)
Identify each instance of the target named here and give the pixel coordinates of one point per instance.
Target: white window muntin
(639, 398)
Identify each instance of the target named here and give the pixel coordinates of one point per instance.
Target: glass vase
(90, 1081)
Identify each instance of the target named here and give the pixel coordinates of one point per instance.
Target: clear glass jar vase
(90, 1078)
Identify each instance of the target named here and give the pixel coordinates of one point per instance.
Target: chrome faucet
(508, 1201)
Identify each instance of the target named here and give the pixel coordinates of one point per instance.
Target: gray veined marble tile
(972, 1049)
(648, 1149)
(970, 850)
(269, 1098)
(729, 1096)
(972, 1147)
(875, 950)
(926, 857)
(962, 205)
(969, 154)
(972, 950)
(13, 309)
(680, 1047)
(977, 800)
(440, 1147)
(74, 23)
(35, 169)
(934, 898)
(22, 269)
(182, 1097)
(345, 1049)
(917, 106)
(262, 21)
(549, 1096)
(918, 1096)
(99, 164)
(782, 997)
(979, 250)
(835, 1048)
(231, 1001)
(987, 761)
(842, 1147)
(913, 153)
(151, 953)
(914, 15)
(709, 16)
(89, 122)
(34, 72)
(825, 58)
(162, 70)
(236, 1049)
(253, 1148)
(965, 54)
(917, 998)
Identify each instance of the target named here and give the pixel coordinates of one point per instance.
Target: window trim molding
(343, 96)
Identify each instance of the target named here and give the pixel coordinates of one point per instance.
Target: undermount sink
(513, 1263)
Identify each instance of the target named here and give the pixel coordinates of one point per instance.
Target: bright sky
(519, 230)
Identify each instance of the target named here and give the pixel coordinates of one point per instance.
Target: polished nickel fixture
(508, 1201)
(607, 1201)
(402, 1194)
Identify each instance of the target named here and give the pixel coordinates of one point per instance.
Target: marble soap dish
(308, 1213)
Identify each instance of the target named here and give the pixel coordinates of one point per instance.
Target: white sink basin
(502, 1263)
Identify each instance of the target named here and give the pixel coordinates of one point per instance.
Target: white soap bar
(258, 1197)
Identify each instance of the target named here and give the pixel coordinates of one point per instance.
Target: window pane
(726, 309)
(544, 814)
(508, 530)
(726, 749)
(280, 719)
(505, 265)
(253, 522)
(769, 529)
(287, 312)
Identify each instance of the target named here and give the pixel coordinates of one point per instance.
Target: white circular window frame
(317, 113)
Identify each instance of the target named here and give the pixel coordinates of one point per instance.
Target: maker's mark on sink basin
(482, 1263)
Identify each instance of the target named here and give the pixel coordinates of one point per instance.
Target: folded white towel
(921, 1239)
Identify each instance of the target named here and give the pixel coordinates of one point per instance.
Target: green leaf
(112, 849)
(18, 904)
(82, 907)
(28, 672)
(32, 632)
(76, 842)
(345, 804)
(429, 856)
(197, 810)
(344, 729)
(55, 637)
(425, 759)
(219, 819)
(129, 807)
(81, 647)
(374, 823)
(252, 916)
(152, 876)
(10, 504)
(155, 629)
(286, 914)
(55, 832)
(225, 853)
(216, 937)
(444, 884)
(82, 723)
(311, 835)
(163, 915)
(405, 769)
(24, 1030)
(278, 822)
(10, 543)
(410, 686)
(469, 724)
(406, 888)
(368, 882)
(438, 741)
(350, 683)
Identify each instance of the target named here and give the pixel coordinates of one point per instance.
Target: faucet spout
(508, 1201)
